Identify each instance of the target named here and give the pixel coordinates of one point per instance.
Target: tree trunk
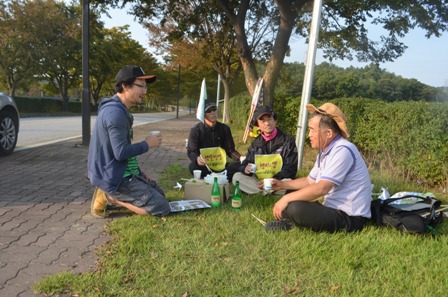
(226, 114)
(244, 51)
(288, 14)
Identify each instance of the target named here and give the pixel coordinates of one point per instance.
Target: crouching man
(112, 160)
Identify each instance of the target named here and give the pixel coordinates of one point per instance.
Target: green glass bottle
(237, 198)
(216, 194)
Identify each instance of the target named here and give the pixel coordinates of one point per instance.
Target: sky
(425, 59)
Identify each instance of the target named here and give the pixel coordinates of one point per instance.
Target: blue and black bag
(409, 213)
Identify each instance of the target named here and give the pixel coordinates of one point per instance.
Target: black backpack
(419, 216)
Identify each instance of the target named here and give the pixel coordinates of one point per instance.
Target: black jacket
(282, 144)
(202, 136)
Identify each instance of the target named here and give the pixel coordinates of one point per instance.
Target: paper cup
(197, 174)
(253, 167)
(268, 184)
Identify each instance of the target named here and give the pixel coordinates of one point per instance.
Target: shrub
(407, 138)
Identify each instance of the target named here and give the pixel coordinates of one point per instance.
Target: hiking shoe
(99, 204)
(283, 225)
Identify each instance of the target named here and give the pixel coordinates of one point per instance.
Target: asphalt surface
(45, 222)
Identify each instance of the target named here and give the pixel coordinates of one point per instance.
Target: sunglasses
(211, 109)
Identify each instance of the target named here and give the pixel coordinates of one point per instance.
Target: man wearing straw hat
(339, 175)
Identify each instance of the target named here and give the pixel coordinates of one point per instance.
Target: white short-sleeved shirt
(342, 164)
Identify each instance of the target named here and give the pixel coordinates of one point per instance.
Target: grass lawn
(222, 252)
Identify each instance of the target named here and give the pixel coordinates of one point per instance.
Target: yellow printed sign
(215, 157)
(268, 165)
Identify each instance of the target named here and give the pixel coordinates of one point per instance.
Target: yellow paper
(215, 157)
(268, 165)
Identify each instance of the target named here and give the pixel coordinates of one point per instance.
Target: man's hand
(201, 161)
(154, 140)
(277, 185)
(248, 169)
(279, 207)
(147, 175)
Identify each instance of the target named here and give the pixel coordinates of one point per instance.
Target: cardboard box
(198, 189)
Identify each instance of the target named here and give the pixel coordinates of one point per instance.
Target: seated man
(208, 144)
(339, 175)
(273, 152)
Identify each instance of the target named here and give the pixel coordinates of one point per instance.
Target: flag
(201, 104)
(257, 99)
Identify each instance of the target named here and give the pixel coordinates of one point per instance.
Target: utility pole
(308, 79)
(178, 92)
(85, 74)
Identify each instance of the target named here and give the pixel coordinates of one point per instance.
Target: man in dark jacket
(211, 134)
(112, 160)
(273, 152)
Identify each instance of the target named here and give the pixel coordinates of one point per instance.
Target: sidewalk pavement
(45, 221)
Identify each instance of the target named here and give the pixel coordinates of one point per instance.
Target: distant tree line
(331, 82)
(40, 55)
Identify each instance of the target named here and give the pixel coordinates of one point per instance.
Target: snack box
(199, 189)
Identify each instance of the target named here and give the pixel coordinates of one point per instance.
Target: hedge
(45, 105)
(406, 138)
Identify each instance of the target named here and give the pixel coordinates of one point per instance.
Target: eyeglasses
(211, 109)
(141, 86)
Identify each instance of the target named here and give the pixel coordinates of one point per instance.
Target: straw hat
(331, 110)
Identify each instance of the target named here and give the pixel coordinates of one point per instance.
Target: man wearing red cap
(339, 175)
(273, 153)
(112, 160)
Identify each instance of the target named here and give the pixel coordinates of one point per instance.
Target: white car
(9, 125)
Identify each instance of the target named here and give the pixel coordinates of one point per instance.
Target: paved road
(37, 131)
(45, 222)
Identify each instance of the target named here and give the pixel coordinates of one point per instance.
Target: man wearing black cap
(272, 146)
(112, 160)
(208, 134)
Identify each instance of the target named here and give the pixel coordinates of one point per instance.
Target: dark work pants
(317, 217)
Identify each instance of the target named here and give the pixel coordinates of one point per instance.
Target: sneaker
(283, 225)
(99, 204)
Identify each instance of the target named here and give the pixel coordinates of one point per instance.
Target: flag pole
(257, 98)
(308, 80)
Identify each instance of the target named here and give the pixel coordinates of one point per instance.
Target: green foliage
(407, 138)
(332, 82)
(44, 105)
(287, 110)
(239, 109)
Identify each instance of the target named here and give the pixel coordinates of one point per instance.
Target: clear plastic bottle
(237, 198)
(216, 194)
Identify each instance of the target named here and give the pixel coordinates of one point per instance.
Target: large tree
(203, 38)
(110, 50)
(59, 47)
(343, 34)
(20, 25)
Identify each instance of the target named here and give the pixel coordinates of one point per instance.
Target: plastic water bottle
(237, 198)
(216, 194)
